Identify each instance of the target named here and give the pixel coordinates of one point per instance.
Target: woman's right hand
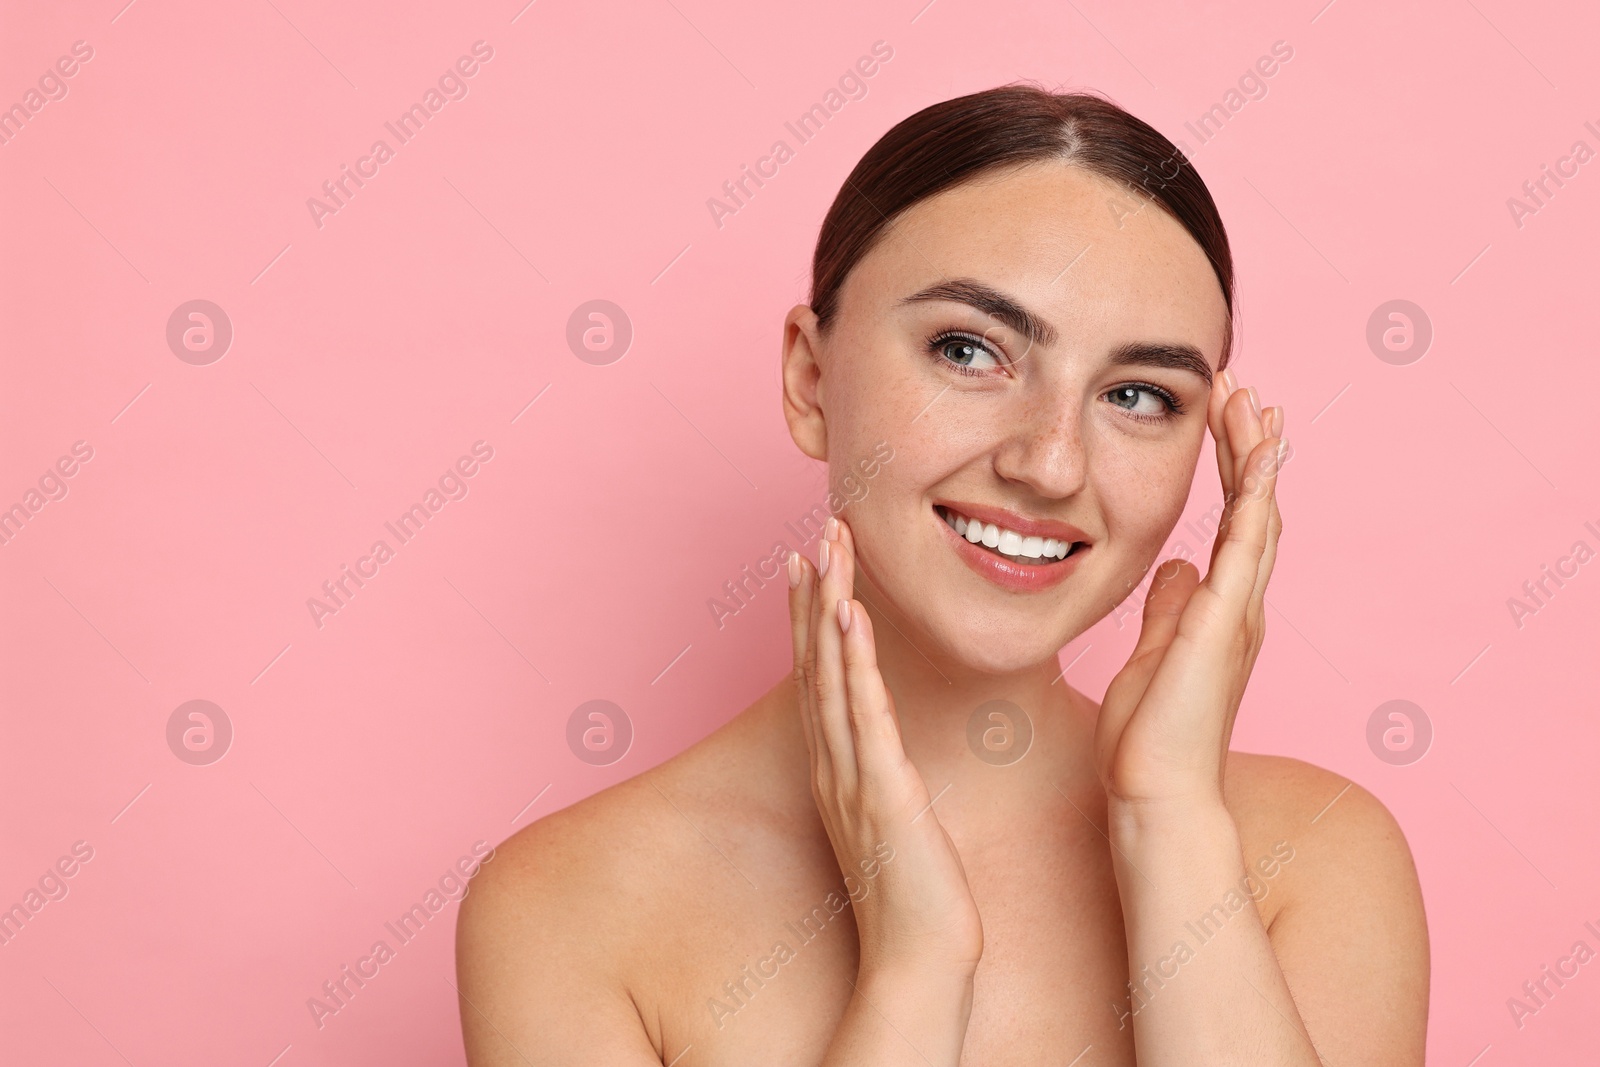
(916, 918)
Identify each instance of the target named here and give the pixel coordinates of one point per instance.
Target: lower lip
(1017, 577)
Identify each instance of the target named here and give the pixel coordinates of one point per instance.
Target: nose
(1043, 447)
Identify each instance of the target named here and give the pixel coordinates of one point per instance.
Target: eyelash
(937, 342)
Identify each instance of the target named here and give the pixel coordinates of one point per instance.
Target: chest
(757, 967)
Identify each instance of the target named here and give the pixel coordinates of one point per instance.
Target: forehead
(1085, 253)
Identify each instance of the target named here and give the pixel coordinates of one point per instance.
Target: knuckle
(873, 813)
(871, 803)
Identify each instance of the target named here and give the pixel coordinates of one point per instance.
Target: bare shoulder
(555, 865)
(613, 855)
(540, 938)
(1325, 818)
(557, 929)
(1346, 918)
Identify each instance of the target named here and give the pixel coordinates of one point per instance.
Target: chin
(953, 629)
(995, 651)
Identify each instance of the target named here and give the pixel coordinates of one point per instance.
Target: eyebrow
(1174, 356)
(991, 301)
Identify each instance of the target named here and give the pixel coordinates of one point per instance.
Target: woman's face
(1086, 432)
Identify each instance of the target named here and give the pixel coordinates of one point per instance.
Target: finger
(813, 625)
(802, 591)
(829, 688)
(1221, 389)
(1243, 430)
(1175, 580)
(1269, 554)
(877, 736)
(1238, 557)
(1170, 589)
(1242, 418)
(845, 555)
(824, 769)
(847, 536)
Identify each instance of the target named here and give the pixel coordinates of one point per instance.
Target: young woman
(925, 848)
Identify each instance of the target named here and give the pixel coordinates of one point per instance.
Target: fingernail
(831, 530)
(1255, 403)
(844, 616)
(1229, 381)
(822, 560)
(1283, 447)
(794, 570)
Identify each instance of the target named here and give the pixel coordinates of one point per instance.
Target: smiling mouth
(1008, 544)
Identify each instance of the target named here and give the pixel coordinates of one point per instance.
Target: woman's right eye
(965, 352)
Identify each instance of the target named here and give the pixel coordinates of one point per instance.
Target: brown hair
(954, 141)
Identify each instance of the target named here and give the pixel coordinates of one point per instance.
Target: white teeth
(1007, 541)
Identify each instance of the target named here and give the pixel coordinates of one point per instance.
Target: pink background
(368, 354)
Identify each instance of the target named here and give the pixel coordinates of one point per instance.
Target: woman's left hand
(1167, 717)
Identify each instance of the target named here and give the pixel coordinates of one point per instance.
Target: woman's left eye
(1144, 400)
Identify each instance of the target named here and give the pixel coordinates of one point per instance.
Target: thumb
(1174, 582)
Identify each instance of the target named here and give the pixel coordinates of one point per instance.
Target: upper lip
(1010, 520)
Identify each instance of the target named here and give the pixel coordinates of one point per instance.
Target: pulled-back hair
(951, 142)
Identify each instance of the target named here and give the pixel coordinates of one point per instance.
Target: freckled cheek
(931, 447)
(890, 498)
(891, 505)
(867, 403)
(895, 393)
(1142, 500)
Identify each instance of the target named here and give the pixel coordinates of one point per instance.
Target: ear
(802, 382)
